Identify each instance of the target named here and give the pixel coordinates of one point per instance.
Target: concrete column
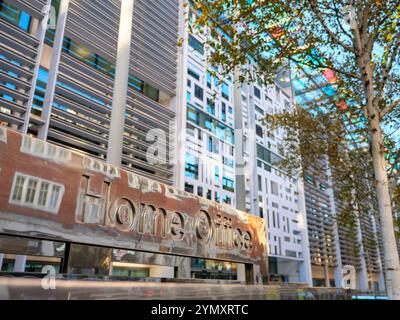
(20, 262)
(184, 268)
(241, 272)
(240, 166)
(381, 282)
(252, 165)
(40, 35)
(179, 102)
(363, 273)
(116, 134)
(339, 267)
(305, 272)
(1, 260)
(53, 72)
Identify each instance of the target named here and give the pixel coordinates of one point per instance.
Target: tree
(358, 41)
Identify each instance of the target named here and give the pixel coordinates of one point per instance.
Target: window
(310, 179)
(189, 187)
(259, 110)
(54, 196)
(15, 16)
(273, 219)
(291, 254)
(223, 111)
(227, 199)
(36, 193)
(228, 184)
(200, 191)
(44, 189)
(194, 74)
(261, 212)
(198, 92)
(209, 194)
(209, 80)
(211, 107)
(274, 188)
(191, 166)
(257, 92)
(225, 91)
(259, 131)
(193, 115)
(216, 175)
(210, 144)
(30, 193)
(196, 45)
(259, 183)
(18, 188)
(217, 197)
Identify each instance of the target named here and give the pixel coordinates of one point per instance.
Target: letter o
(203, 227)
(122, 214)
(238, 239)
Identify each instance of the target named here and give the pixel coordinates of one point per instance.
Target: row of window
(208, 194)
(200, 118)
(94, 60)
(36, 193)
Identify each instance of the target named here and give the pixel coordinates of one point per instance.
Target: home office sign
(50, 192)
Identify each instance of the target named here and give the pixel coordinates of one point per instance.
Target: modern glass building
(231, 158)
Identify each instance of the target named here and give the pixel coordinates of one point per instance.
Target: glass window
(259, 131)
(223, 111)
(198, 92)
(194, 74)
(55, 194)
(151, 92)
(228, 184)
(18, 189)
(196, 45)
(274, 188)
(15, 16)
(44, 188)
(200, 191)
(209, 80)
(257, 92)
(189, 188)
(211, 107)
(225, 91)
(31, 191)
(216, 174)
(259, 110)
(192, 166)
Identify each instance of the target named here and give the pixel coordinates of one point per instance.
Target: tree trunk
(391, 255)
(363, 48)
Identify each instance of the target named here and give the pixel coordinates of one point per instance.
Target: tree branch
(314, 7)
(389, 108)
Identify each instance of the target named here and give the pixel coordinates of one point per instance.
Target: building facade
(108, 79)
(230, 157)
